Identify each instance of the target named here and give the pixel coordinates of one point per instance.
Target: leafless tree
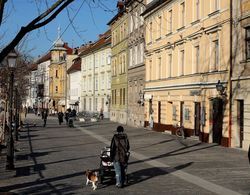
(42, 20)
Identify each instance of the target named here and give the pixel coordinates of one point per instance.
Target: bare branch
(51, 13)
(2, 3)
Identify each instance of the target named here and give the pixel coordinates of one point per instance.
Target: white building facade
(96, 76)
(74, 94)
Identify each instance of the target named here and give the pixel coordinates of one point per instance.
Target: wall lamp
(141, 100)
(220, 88)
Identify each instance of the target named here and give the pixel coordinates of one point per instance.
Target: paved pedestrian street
(53, 159)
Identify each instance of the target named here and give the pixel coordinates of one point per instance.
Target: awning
(61, 102)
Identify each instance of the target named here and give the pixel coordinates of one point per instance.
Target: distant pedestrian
(101, 116)
(45, 115)
(60, 117)
(151, 120)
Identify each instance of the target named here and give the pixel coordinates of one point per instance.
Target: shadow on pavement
(177, 152)
(162, 142)
(32, 185)
(145, 174)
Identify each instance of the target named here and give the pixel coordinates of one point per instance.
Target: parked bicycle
(180, 131)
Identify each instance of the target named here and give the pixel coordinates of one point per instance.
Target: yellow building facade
(241, 75)
(187, 67)
(119, 65)
(57, 75)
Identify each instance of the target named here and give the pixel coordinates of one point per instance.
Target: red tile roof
(104, 39)
(44, 58)
(69, 49)
(76, 66)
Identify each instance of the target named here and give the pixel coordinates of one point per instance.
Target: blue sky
(90, 21)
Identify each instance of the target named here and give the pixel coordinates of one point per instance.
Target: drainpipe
(230, 75)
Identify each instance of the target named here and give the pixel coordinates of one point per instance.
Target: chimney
(120, 5)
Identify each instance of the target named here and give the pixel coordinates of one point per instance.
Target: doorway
(181, 113)
(240, 120)
(197, 114)
(159, 112)
(217, 119)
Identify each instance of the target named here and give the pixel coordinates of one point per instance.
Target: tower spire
(58, 32)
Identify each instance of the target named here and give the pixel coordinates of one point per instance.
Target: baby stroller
(107, 170)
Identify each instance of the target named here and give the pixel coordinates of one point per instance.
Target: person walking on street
(45, 115)
(60, 117)
(101, 116)
(119, 150)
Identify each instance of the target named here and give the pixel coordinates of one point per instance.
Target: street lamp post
(16, 114)
(10, 144)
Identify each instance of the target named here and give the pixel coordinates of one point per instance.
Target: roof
(33, 67)
(104, 39)
(154, 4)
(69, 49)
(76, 66)
(44, 58)
(121, 9)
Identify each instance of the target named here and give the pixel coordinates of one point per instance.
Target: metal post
(10, 143)
(16, 115)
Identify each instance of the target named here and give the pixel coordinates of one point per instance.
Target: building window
(131, 22)
(150, 32)
(169, 65)
(115, 96)
(130, 57)
(136, 20)
(142, 52)
(121, 96)
(90, 104)
(56, 89)
(159, 26)
(182, 14)
(56, 73)
(187, 117)
(181, 66)
(216, 54)
(96, 104)
(124, 63)
(197, 57)
(125, 29)
(197, 5)
(112, 97)
(124, 96)
(84, 104)
(141, 17)
(170, 18)
(216, 5)
(159, 68)
(174, 115)
(96, 83)
(150, 69)
(248, 43)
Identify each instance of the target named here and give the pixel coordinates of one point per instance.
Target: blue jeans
(119, 173)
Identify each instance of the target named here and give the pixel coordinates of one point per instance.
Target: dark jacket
(119, 148)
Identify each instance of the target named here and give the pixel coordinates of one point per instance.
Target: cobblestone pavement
(52, 160)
